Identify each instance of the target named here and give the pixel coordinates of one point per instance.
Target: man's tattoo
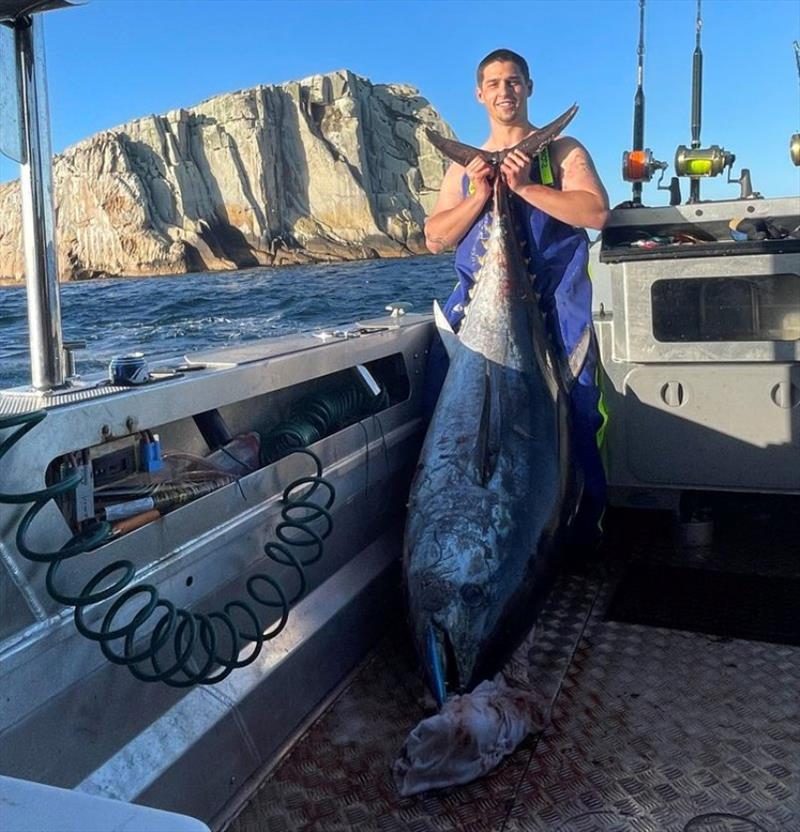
(577, 162)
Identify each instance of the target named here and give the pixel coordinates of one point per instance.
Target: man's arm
(454, 213)
(582, 200)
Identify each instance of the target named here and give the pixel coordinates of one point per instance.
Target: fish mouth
(442, 663)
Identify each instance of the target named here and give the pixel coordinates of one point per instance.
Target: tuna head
(455, 601)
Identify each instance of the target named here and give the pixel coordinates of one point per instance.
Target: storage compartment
(726, 426)
(132, 480)
(700, 230)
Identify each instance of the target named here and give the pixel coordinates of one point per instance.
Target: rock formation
(332, 167)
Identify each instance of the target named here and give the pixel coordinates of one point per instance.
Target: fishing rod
(697, 80)
(638, 164)
(794, 142)
(696, 161)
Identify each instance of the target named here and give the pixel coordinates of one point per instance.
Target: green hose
(183, 648)
(318, 415)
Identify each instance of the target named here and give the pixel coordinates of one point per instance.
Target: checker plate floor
(648, 730)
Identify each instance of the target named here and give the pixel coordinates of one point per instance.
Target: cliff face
(331, 167)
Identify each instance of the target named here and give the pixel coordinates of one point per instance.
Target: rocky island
(331, 167)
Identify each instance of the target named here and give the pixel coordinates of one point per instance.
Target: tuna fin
(578, 356)
(449, 338)
(462, 154)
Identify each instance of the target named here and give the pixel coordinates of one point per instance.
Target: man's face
(504, 92)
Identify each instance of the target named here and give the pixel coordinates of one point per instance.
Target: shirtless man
(555, 198)
(504, 87)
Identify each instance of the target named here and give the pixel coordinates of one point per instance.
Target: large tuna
(496, 483)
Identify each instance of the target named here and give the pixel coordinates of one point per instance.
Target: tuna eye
(472, 595)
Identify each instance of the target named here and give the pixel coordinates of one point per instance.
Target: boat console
(700, 348)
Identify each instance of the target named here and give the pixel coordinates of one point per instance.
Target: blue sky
(113, 60)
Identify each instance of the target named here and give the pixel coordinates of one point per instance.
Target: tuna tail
(539, 139)
(463, 154)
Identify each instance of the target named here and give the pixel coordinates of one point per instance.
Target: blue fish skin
(496, 484)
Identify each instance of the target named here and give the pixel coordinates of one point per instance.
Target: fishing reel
(640, 166)
(698, 162)
(705, 162)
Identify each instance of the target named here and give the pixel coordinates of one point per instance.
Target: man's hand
(580, 200)
(516, 170)
(480, 175)
(455, 212)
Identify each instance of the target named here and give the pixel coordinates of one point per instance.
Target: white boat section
(35, 807)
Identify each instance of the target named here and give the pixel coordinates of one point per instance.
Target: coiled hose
(183, 648)
(319, 415)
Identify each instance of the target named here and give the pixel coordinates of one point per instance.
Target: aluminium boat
(257, 686)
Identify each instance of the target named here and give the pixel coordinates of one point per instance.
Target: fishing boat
(201, 616)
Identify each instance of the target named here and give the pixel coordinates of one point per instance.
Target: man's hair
(504, 55)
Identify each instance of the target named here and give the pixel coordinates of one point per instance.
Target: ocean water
(166, 317)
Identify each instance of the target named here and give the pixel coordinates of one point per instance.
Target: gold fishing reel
(794, 148)
(696, 162)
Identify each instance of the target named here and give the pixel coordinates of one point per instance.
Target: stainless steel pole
(38, 215)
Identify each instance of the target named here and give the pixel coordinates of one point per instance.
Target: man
(555, 198)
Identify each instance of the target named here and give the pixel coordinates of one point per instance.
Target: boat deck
(646, 728)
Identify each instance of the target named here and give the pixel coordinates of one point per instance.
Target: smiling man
(555, 197)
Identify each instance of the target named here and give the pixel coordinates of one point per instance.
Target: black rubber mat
(752, 607)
